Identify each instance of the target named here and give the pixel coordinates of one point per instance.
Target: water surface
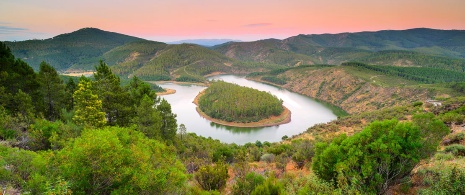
(306, 112)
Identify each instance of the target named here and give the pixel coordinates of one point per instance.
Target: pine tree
(69, 89)
(88, 106)
(116, 103)
(148, 119)
(52, 90)
(169, 123)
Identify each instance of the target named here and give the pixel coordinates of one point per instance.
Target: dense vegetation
(76, 50)
(419, 74)
(233, 103)
(410, 58)
(103, 135)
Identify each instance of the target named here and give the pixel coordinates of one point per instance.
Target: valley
(361, 118)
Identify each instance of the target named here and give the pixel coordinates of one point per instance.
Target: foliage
(247, 184)
(308, 184)
(148, 119)
(303, 151)
(42, 132)
(169, 124)
(138, 89)
(456, 149)
(231, 102)
(270, 186)
(18, 84)
(88, 107)
(75, 50)
(212, 177)
(419, 74)
(69, 91)
(269, 158)
(274, 80)
(372, 159)
(119, 160)
(446, 181)
(116, 102)
(188, 78)
(389, 57)
(52, 90)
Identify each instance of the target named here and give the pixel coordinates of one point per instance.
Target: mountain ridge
(127, 55)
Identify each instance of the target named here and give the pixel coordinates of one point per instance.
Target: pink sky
(170, 20)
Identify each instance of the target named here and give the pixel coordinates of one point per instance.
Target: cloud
(257, 25)
(11, 30)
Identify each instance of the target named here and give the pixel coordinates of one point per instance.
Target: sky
(246, 20)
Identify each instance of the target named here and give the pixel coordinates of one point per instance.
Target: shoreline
(283, 118)
(178, 83)
(167, 92)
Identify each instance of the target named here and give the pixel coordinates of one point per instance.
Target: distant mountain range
(151, 60)
(204, 42)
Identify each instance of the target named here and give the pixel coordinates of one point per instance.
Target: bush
(457, 137)
(246, 185)
(373, 159)
(456, 149)
(212, 177)
(446, 181)
(267, 158)
(271, 186)
(452, 117)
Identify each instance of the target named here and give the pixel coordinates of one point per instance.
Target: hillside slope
(343, 47)
(353, 89)
(80, 49)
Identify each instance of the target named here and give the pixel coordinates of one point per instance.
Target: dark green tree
(148, 119)
(15, 76)
(138, 89)
(116, 103)
(169, 124)
(69, 91)
(52, 90)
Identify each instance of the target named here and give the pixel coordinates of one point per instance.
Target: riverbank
(338, 111)
(179, 83)
(283, 118)
(166, 92)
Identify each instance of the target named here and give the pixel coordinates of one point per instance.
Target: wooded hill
(234, 103)
(151, 60)
(78, 50)
(343, 47)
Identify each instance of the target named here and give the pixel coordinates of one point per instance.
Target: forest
(419, 74)
(234, 103)
(99, 136)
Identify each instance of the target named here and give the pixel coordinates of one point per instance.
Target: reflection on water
(306, 112)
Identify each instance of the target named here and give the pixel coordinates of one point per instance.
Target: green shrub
(267, 158)
(443, 156)
(457, 137)
(270, 186)
(446, 181)
(212, 177)
(456, 149)
(386, 149)
(245, 186)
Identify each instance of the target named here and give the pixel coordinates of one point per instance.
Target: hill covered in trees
(151, 60)
(76, 50)
(234, 103)
(99, 137)
(343, 47)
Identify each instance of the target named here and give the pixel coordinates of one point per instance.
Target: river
(306, 112)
